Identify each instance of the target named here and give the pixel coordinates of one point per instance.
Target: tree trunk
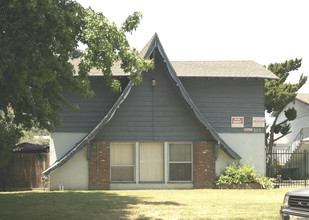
(269, 153)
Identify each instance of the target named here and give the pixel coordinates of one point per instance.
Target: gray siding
(153, 114)
(91, 110)
(220, 99)
(158, 113)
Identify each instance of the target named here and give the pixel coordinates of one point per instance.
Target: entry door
(151, 162)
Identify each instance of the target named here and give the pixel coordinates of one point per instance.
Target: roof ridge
(147, 46)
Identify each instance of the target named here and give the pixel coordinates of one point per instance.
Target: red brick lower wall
(203, 165)
(99, 166)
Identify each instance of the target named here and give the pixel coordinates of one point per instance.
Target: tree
(34, 136)
(37, 41)
(9, 135)
(278, 94)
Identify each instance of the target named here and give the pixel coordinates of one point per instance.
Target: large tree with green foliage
(37, 41)
(278, 94)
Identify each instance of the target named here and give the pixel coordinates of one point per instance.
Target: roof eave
(227, 77)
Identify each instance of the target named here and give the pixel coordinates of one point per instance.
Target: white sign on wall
(258, 122)
(237, 122)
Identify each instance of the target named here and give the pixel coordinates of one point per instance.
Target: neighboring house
(178, 129)
(289, 157)
(298, 139)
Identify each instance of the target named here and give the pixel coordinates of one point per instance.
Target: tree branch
(282, 136)
(286, 120)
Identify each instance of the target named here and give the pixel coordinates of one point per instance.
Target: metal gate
(290, 169)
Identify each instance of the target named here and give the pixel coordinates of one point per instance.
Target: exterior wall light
(153, 82)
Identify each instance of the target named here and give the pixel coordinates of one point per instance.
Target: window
(122, 162)
(180, 162)
(151, 162)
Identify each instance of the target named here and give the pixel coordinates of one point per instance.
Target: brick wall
(203, 165)
(99, 165)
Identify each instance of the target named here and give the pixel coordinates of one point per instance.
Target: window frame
(175, 162)
(133, 163)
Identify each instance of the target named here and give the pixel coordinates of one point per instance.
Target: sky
(266, 31)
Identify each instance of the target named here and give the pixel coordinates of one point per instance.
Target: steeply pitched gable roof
(149, 48)
(196, 112)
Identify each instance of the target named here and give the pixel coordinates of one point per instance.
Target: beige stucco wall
(250, 146)
(222, 161)
(62, 142)
(74, 173)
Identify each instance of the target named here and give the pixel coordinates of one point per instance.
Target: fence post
(305, 166)
(301, 134)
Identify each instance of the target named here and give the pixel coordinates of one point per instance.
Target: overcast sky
(265, 31)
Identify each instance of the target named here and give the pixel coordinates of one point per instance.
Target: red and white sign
(237, 122)
(258, 122)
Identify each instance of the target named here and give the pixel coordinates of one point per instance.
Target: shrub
(237, 173)
(266, 182)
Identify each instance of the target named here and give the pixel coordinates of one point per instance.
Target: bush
(266, 182)
(237, 173)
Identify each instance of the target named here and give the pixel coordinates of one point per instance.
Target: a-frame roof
(153, 44)
(194, 109)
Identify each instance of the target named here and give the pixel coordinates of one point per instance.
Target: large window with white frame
(180, 162)
(122, 162)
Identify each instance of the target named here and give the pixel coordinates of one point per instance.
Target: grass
(143, 204)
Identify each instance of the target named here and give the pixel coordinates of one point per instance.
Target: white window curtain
(122, 162)
(151, 162)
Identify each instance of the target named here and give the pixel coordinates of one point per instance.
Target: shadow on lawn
(72, 205)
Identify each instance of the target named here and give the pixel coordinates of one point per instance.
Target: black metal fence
(290, 169)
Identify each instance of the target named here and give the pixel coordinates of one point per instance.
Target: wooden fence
(24, 171)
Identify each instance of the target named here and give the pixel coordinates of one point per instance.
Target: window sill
(180, 181)
(122, 182)
(146, 182)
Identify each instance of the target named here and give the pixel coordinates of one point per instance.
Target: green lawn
(143, 204)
